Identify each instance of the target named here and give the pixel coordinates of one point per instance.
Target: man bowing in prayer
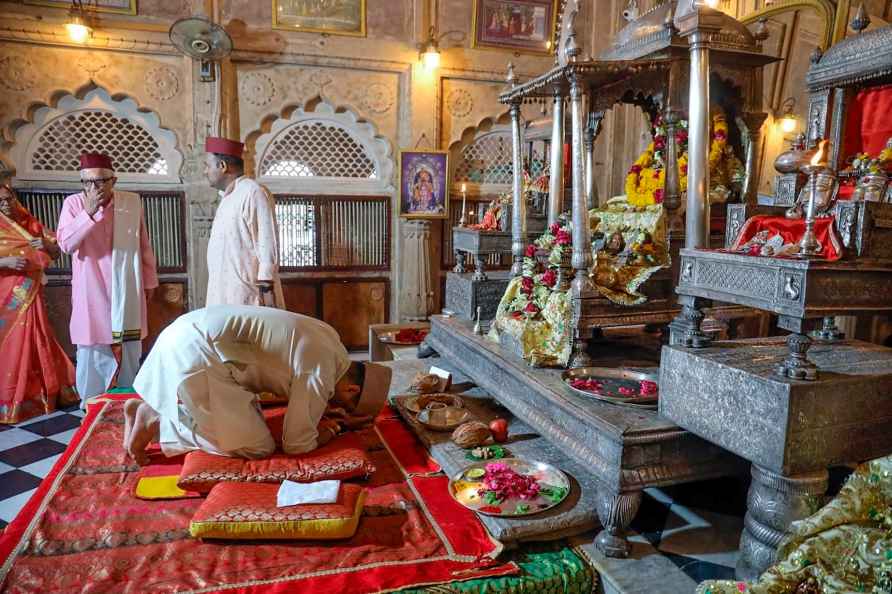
(112, 275)
(243, 253)
(200, 384)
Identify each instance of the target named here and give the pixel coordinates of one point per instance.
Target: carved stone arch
(482, 158)
(324, 150)
(48, 147)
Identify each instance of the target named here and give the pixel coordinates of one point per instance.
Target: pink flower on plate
(626, 391)
(562, 237)
(531, 251)
(658, 195)
(549, 278)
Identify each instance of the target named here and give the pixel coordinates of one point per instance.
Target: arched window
(486, 160)
(309, 150)
(48, 148)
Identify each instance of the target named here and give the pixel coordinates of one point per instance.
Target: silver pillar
(518, 204)
(556, 175)
(697, 217)
(582, 242)
(591, 191)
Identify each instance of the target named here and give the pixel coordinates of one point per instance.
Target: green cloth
(546, 568)
(846, 546)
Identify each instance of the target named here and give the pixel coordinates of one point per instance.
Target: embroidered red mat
(84, 530)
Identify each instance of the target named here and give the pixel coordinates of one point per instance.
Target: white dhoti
(96, 367)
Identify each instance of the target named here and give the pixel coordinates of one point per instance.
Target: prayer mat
(85, 531)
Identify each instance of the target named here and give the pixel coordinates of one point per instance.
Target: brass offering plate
(443, 417)
(415, 404)
(615, 385)
(466, 486)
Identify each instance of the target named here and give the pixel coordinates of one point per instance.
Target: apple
(499, 429)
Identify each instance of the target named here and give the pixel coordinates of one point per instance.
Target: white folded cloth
(291, 493)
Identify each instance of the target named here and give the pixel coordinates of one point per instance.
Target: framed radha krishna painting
(335, 17)
(521, 25)
(424, 184)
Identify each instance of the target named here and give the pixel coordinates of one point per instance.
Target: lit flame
(820, 157)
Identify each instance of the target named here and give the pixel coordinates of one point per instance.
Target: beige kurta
(206, 368)
(243, 247)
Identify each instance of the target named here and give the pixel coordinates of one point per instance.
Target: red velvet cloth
(868, 122)
(792, 231)
(84, 531)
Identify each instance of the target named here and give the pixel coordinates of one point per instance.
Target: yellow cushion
(248, 511)
(161, 487)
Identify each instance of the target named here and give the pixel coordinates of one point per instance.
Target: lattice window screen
(487, 160)
(131, 147)
(163, 216)
(330, 232)
(317, 149)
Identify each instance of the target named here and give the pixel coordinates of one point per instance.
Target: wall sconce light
(78, 24)
(788, 120)
(429, 51)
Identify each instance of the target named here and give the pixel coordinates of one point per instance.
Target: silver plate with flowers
(509, 487)
(627, 387)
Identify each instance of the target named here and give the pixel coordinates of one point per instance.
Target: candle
(464, 198)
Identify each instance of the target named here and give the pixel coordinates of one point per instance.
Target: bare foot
(143, 432)
(130, 407)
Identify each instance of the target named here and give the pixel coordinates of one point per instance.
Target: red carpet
(84, 531)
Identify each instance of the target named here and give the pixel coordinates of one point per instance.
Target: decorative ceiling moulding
(127, 40)
(47, 147)
(824, 8)
(284, 168)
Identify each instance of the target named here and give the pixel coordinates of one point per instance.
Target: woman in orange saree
(35, 373)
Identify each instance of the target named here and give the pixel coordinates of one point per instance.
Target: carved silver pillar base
(459, 262)
(479, 268)
(773, 503)
(828, 332)
(616, 512)
(796, 365)
(685, 329)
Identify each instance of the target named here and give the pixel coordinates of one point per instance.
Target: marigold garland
(646, 179)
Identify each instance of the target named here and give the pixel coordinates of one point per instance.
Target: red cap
(96, 161)
(223, 146)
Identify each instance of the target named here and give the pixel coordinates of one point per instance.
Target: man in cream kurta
(200, 382)
(243, 256)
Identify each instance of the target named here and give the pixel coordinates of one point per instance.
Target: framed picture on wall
(518, 25)
(424, 187)
(344, 17)
(118, 6)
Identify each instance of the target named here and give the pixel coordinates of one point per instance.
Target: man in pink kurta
(243, 253)
(86, 231)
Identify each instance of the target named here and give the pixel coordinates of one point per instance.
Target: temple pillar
(581, 261)
(752, 136)
(518, 203)
(416, 289)
(591, 132)
(556, 175)
(698, 23)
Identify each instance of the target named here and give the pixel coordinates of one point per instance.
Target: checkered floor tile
(27, 453)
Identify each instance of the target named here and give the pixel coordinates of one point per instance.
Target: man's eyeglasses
(96, 182)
